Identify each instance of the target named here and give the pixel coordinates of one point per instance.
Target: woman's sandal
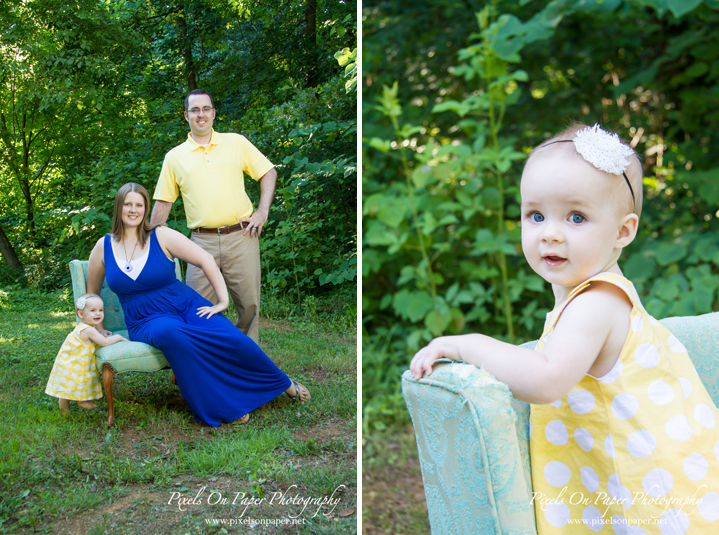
(243, 420)
(297, 398)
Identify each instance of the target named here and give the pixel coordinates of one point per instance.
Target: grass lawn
(157, 471)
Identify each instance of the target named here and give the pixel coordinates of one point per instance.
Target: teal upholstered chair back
(114, 316)
(700, 335)
(473, 451)
(473, 438)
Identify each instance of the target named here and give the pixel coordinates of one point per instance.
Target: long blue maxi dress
(222, 373)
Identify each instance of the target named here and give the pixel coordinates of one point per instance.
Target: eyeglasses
(206, 109)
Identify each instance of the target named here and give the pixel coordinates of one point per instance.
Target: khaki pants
(238, 258)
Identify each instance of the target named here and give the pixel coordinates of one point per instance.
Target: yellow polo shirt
(211, 179)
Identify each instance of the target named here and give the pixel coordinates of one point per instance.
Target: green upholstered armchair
(123, 356)
(473, 438)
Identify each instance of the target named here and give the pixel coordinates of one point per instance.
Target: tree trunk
(311, 38)
(19, 167)
(8, 252)
(190, 71)
(30, 214)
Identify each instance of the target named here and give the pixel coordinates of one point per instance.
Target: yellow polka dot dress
(74, 374)
(635, 452)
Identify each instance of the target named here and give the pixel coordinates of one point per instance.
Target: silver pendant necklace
(128, 265)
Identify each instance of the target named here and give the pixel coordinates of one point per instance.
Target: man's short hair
(197, 92)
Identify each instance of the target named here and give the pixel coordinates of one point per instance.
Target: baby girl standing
(623, 434)
(74, 375)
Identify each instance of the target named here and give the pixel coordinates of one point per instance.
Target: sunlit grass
(54, 469)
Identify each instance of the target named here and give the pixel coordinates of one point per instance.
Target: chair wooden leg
(174, 381)
(107, 377)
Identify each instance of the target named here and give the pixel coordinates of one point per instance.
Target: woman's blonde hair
(118, 227)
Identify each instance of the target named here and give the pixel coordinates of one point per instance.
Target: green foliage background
(91, 97)
(455, 94)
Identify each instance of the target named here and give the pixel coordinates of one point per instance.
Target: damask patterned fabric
(130, 356)
(476, 478)
(123, 356)
(472, 438)
(700, 335)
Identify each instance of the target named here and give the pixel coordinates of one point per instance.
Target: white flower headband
(603, 150)
(80, 303)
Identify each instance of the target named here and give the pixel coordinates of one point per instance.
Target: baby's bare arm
(525, 371)
(579, 338)
(94, 336)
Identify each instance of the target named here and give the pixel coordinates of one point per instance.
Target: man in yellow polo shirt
(208, 169)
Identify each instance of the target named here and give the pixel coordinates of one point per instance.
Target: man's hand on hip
(255, 223)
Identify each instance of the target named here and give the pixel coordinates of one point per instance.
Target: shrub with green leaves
(444, 148)
(310, 245)
(442, 249)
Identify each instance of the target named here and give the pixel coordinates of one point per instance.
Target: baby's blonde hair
(634, 171)
(82, 300)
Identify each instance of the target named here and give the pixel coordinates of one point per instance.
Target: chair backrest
(700, 335)
(114, 316)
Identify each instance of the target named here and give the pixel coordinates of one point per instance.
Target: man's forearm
(267, 190)
(160, 212)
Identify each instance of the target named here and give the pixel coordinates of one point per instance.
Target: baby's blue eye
(577, 218)
(536, 217)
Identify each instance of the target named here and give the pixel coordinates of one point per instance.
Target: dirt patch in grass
(389, 496)
(151, 510)
(319, 374)
(141, 511)
(136, 445)
(326, 431)
(176, 402)
(349, 338)
(393, 499)
(276, 325)
(161, 431)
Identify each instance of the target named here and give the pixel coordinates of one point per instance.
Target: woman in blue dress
(222, 374)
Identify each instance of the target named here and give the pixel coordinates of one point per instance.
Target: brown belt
(222, 230)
